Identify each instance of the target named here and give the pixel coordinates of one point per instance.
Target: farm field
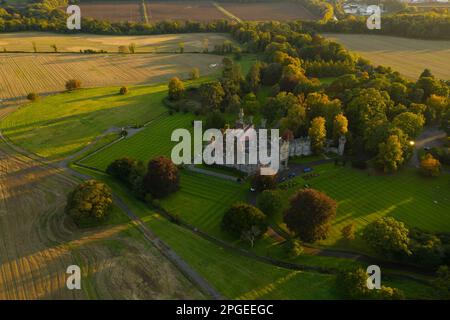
(264, 11)
(23, 41)
(363, 198)
(113, 11)
(407, 56)
(183, 10)
(39, 243)
(152, 141)
(21, 74)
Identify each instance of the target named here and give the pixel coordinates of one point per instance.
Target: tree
(251, 235)
(162, 177)
(317, 132)
(132, 47)
(195, 73)
(348, 232)
(410, 123)
(429, 166)
(270, 202)
(181, 47)
(388, 237)
(264, 182)
(215, 120)
(125, 169)
(73, 84)
(54, 47)
(32, 96)
(390, 155)
(437, 106)
(123, 90)
(309, 214)
(242, 217)
(388, 293)
(353, 284)
(89, 203)
(426, 73)
(250, 104)
(212, 95)
(176, 89)
(340, 126)
(271, 74)
(254, 77)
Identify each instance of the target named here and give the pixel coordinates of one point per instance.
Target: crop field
(407, 56)
(363, 198)
(193, 42)
(152, 141)
(113, 11)
(60, 125)
(39, 243)
(21, 74)
(282, 11)
(183, 10)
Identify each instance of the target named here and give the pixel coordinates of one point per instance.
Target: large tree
(388, 237)
(318, 133)
(162, 177)
(176, 89)
(212, 95)
(242, 217)
(410, 123)
(309, 214)
(430, 166)
(89, 203)
(270, 202)
(390, 155)
(264, 182)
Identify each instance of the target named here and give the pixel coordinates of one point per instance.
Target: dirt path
(430, 138)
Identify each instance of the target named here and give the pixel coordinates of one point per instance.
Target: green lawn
(362, 198)
(202, 200)
(59, 125)
(152, 141)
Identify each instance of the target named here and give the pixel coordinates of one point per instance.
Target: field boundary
(226, 12)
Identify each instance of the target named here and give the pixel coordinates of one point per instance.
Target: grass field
(363, 198)
(407, 56)
(60, 125)
(23, 41)
(152, 141)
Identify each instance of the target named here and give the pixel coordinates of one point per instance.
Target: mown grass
(152, 141)
(362, 198)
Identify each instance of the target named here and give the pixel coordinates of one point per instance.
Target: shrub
(89, 203)
(126, 169)
(123, 90)
(32, 96)
(429, 166)
(294, 248)
(310, 214)
(176, 89)
(73, 84)
(264, 182)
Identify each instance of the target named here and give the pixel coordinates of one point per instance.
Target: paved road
(430, 137)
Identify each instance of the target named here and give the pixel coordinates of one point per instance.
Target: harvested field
(21, 74)
(23, 41)
(407, 56)
(114, 11)
(38, 243)
(183, 10)
(281, 11)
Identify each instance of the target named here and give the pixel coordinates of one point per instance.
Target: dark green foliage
(241, 217)
(32, 96)
(215, 120)
(89, 203)
(270, 202)
(264, 182)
